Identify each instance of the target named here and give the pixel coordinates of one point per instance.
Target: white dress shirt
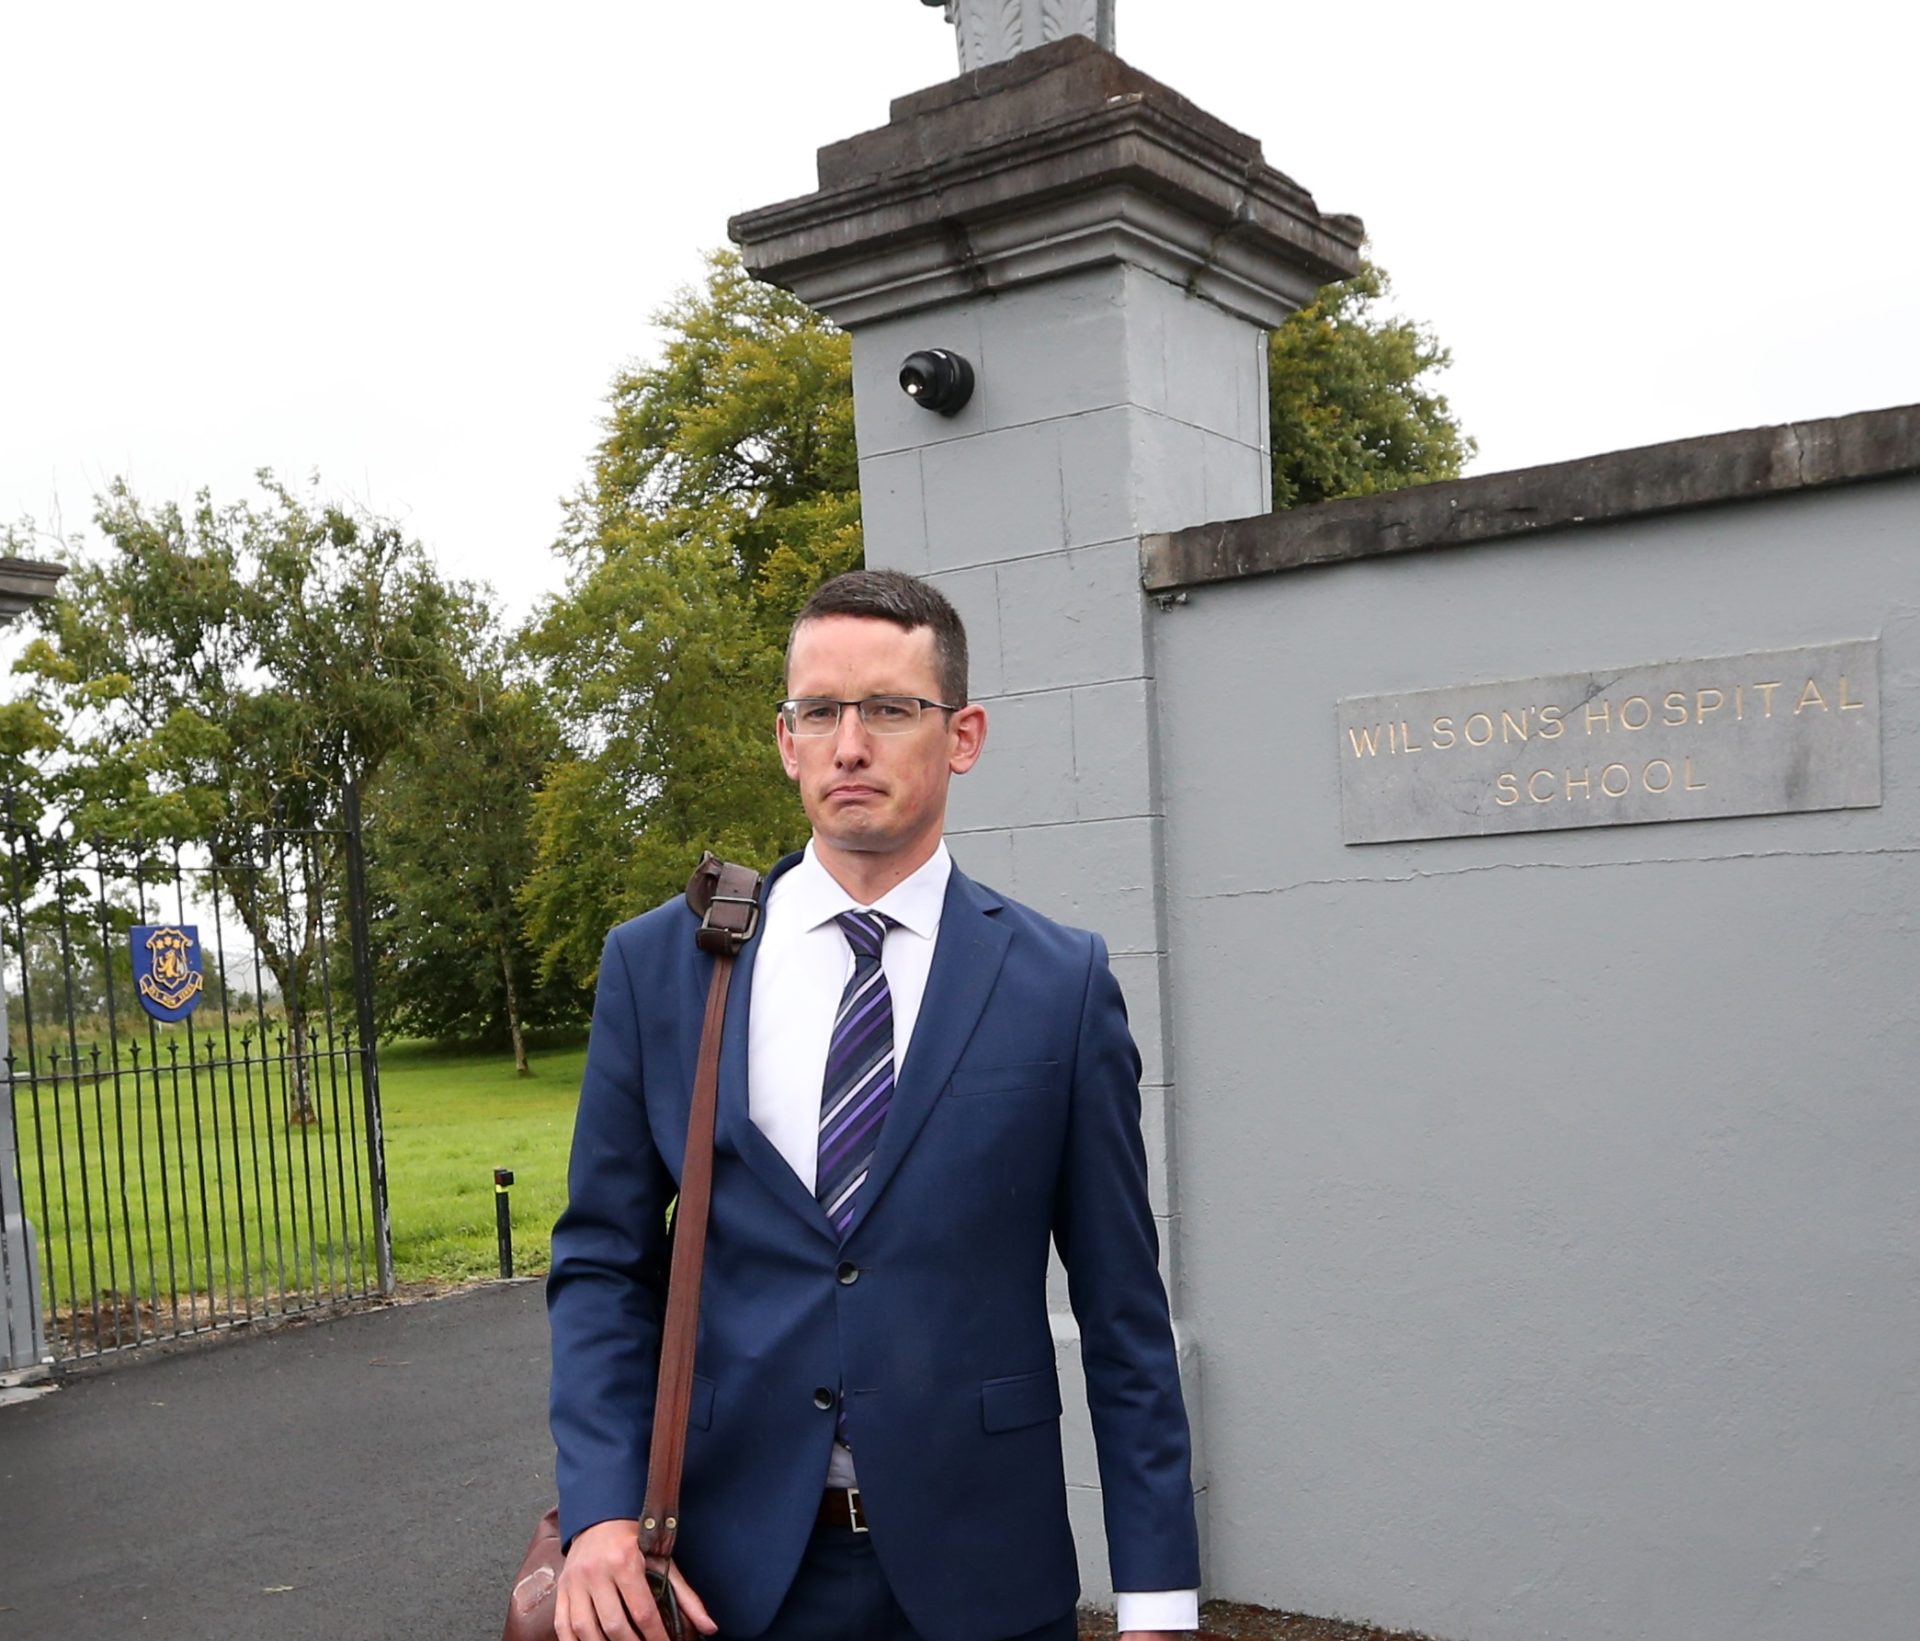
(798, 975)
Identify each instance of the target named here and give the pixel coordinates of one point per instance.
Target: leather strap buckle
(734, 924)
(853, 1510)
(727, 899)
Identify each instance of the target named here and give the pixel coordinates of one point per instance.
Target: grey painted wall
(1551, 1202)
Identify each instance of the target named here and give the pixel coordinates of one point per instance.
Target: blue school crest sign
(166, 969)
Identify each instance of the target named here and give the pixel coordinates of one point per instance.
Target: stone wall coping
(1746, 465)
(989, 105)
(1060, 158)
(25, 582)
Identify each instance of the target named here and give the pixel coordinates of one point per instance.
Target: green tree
(453, 822)
(1351, 399)
(725, 488)
(214, 671)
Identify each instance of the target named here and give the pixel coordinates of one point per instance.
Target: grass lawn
(450, 1120)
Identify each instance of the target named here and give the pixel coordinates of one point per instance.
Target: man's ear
(784, 740)
(966, 738)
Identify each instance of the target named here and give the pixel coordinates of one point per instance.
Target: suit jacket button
(849, 1273)
(823, 1398)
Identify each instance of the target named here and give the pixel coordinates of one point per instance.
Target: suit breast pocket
(1022, 1077)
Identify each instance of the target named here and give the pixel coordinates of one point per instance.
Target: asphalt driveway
(368, 1477)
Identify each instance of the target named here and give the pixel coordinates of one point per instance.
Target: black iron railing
(214, 1171)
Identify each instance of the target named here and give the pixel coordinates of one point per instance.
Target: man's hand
(603, 1596)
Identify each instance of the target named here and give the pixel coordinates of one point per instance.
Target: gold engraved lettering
(1585, 783)
(1767, 695)
(1506, 791)
(1392, 745)
(1646, 775)
(1700, 707)
(1533, 782)
(1481, 740)
(1604, 716)
(1406, 739)
(1676, 702)
(1443, 726)
(1646, 712)
(1686, 769)
(1510, 727)
(1551, 726)
(1739, 701)
(1809, 697)
(1845, 704)
(1626, 780)
(1366, 742)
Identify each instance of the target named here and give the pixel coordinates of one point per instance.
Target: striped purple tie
(858, 1086)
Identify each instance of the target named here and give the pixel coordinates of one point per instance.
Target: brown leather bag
(726, 899)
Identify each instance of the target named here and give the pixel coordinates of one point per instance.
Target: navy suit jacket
(1015, 1121)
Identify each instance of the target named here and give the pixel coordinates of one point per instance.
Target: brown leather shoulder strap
(727, 899)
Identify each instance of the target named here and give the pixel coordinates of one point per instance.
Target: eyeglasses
(881, 714)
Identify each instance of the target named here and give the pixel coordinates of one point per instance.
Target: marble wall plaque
(1776, 732)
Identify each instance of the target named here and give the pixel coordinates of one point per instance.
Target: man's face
(867, 793)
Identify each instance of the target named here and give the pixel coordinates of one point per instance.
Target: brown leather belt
(840, 1507)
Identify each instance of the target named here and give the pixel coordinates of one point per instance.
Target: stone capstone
(1062, 158)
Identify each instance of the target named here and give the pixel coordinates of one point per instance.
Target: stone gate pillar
(23, 584)
(23, 1347)
(1108, 258)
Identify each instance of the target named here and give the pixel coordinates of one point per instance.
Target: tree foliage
(724, 489)
(453, 830)
(212, 671)
(1351, 401)
(213, 667)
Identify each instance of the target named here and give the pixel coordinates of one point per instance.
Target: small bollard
(503, 1218)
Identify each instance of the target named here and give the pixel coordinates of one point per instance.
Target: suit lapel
(966, 961)
(734, 1125)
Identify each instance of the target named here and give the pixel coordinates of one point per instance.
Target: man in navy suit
(922, 1085)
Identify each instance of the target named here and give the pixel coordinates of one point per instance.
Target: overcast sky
(407, 244)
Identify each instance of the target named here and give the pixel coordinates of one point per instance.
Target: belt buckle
(853, 1510)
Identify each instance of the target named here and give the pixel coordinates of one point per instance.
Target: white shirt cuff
(1157, 1610)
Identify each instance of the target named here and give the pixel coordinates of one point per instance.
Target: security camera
(937, 379)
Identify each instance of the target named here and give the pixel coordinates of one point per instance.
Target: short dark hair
(906, 601)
